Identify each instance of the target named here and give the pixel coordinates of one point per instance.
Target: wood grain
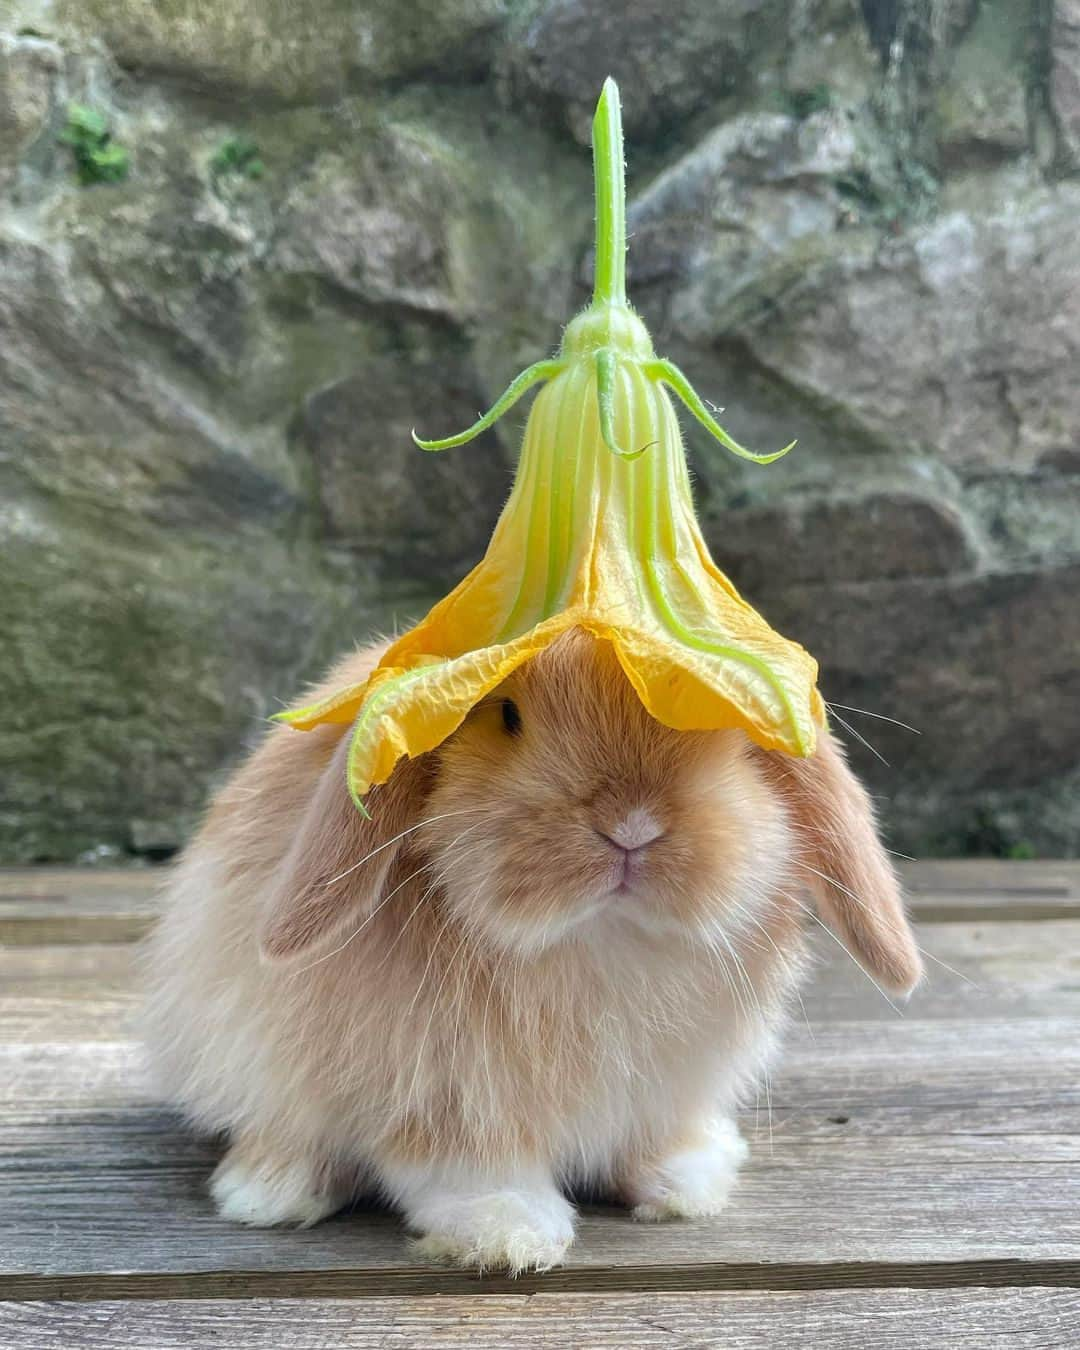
(992, 889)
(915, 1146)
(937, 1150)
(976, 1319)
(67, 993)
(64, 904)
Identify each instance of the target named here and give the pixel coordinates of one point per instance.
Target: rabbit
(555, 957)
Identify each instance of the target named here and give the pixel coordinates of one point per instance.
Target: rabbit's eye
(511, 716)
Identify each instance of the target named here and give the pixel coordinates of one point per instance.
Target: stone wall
(851, 222)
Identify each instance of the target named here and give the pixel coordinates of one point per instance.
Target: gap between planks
(712, 1277)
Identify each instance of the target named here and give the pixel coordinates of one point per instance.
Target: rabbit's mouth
(629, 872)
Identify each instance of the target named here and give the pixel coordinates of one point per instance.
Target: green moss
(858, 186)
(873, 200)
(237, 156)
(803, 103)
(98, 158)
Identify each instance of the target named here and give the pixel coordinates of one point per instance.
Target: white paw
(264, 1194)
(697, 1183)
(502, 1230)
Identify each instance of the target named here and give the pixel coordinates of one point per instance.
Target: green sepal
(541, 370)
(606, 371)
(667, 373)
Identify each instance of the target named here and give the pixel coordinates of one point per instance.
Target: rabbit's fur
(554, 956)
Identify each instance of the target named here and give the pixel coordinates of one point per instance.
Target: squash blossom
(599, 533)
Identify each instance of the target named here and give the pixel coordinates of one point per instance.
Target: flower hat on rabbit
(599, 533)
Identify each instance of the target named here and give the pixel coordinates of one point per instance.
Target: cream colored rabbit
(556, 955)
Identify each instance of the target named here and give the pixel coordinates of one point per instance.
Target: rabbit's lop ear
(844, 865)
(341, 865)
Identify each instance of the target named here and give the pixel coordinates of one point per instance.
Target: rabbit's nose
(636, 829)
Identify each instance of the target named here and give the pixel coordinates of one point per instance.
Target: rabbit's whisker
(378, 908)
(743, 912)
(438, 879)
(748, 1009)
(845, 707)
(891, 927)
(425, 894)
(431, 1018)
(752, 993)
(806, 909)
(431, 820)
(858, 735)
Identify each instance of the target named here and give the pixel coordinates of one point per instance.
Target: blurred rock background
(245, 245)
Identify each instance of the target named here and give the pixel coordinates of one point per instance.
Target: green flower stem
(608, 332)
(609, 176)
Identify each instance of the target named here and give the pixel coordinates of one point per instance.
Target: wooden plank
(58, 883)
(937, 1149)
(992, 875)
(1019, 1074)
(911, 1153)
(70, 904)
(66, 993)
(996, 968)
(975, 1319)
(991, 888)
(80, 905)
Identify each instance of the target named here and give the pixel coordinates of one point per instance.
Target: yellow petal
(411, 711)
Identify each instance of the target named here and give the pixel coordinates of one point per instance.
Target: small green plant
(860, 189)
(1021, 851)
(239, 155)
(97, 156)
(803, 103)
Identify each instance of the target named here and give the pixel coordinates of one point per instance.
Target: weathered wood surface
(942, 891)
(917, 1145)
(893, 1319)
(917, 1170)
(68, 904)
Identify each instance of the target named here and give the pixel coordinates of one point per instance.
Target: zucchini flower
(599, 533)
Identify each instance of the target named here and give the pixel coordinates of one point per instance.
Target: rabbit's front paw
(505, 1230)
(514, 1221)
(263, 1192)
(693, 1183)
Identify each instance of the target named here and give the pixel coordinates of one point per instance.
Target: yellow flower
(600, 534)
